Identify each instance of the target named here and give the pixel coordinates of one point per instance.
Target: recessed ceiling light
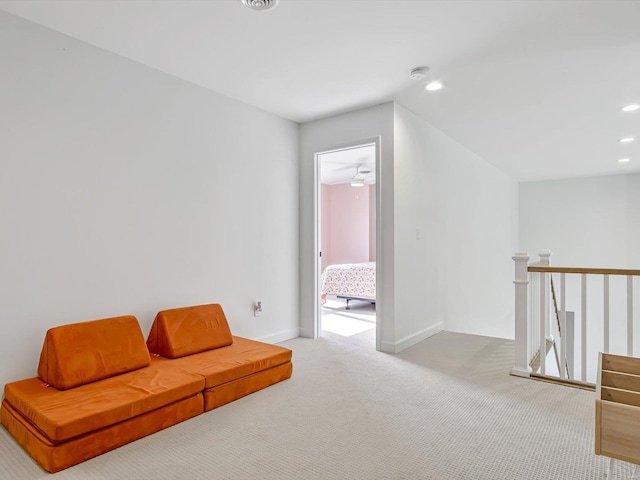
(623, 160)
(631, 108)
(627, 140)
(433, 86)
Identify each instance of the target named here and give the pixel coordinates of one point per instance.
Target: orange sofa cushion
(240, 359)
(54, 457)
(188, 330)
(215, 397)
(81, 353)
(64, 414)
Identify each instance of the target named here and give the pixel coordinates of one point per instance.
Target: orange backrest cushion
(187, 330)
(81, 353)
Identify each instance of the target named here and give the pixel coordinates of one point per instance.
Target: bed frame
(348, 299)
(350, 281)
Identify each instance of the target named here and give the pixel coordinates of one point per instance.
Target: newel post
(544, 257)
(521, 367)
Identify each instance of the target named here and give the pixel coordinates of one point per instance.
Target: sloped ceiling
(533, 87)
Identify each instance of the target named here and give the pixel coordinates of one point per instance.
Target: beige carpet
(444, 409)
(336, 319)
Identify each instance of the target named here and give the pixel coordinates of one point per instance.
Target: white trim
(520, 373)
(411, 340)
(317, 240)
(379, 243)
(306, 333)
(280, 336)
(317, 310)
(388, 347)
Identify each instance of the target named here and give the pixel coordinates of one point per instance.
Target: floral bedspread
(356, 280)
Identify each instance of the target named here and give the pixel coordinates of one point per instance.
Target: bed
(350, 281)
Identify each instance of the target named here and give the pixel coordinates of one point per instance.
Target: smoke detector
(260, 4)
(419, 73)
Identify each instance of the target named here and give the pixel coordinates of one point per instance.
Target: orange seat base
(55, 457)
(228, 392)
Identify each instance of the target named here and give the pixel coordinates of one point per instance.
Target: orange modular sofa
(98, 387)
(197, 340)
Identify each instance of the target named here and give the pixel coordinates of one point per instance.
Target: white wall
(458, 274)
(326, 134)
(465, 212)
(126, 191)
(588, 222)
(420, 289)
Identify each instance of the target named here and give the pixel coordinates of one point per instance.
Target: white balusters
(583, 328)
(533, 296)
(545, 255)
(630, 315)
(563, 326)
(542, 319)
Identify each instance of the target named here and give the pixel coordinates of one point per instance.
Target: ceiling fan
(358, 179)
(339, 171)
(361, 167)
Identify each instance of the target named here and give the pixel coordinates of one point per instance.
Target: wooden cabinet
(618, 407)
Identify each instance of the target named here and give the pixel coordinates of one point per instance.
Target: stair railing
(534, 291)
(539, 335)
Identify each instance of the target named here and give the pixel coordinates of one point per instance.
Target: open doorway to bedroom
(347, 204)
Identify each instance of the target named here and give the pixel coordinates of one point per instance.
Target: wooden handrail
(593, 271)
(532, 323)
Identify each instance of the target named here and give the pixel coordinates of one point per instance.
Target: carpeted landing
(444, 409)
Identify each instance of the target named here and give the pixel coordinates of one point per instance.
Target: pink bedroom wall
(325, 225)
(372, 223)
(349, 224)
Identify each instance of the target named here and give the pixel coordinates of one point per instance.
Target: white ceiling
(340, 166)
(533, 87)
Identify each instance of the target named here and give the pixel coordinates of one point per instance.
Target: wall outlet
(257, 309)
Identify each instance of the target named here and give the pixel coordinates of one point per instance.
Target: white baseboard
(306, 333)
(280, 336)
(411, 340)
(520, 373)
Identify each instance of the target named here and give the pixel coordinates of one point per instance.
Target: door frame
(317, 264)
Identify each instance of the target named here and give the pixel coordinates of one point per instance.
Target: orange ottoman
(97, 389)
(198, 340)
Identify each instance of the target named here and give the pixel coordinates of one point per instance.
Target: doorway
(347, 233)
